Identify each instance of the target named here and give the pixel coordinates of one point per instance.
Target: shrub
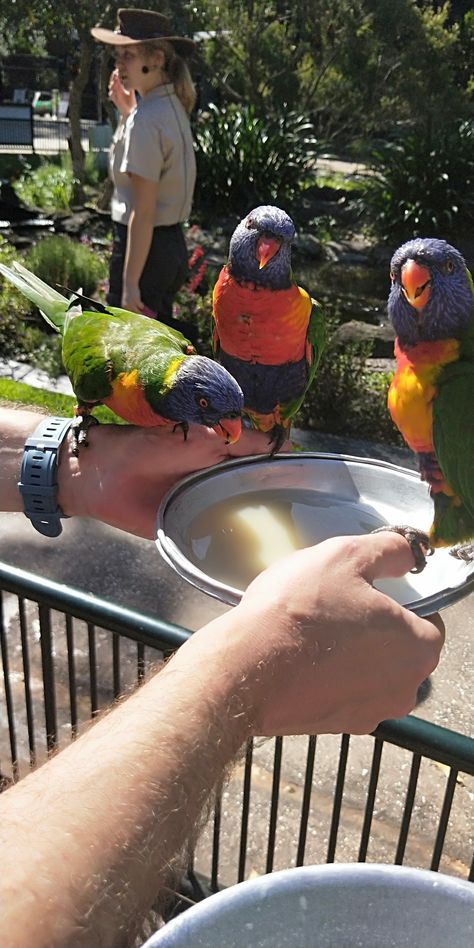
(244, 159)
(19, 337)
(61, 261)
(422, 185)
(49, 187)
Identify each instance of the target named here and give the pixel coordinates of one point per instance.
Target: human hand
(123, 100)
(124, 473)
(131, 299)
(321, 650)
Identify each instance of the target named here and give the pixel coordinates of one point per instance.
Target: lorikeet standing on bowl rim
(146, 372)
(431, 397)
(268, 332)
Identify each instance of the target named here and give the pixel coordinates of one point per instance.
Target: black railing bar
(408, 810)
(101, 612)
(71, 670)
(272, 823)
(369, 807)
(116, 664)
(305, 806)
(244, 825)
(94, 700)
(216, 838)
(8, 692)
(444, 819)
(46, 640)
(430, 740)
(25, 654)
(140, 662)
(338, 793)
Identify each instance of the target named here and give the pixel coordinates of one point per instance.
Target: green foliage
(61, 261)
(57, 260)
(94, 173)
(346, 397)
(356, 68)
(49, 187)
(422, 185)
(13, 308)
(244, 160)
(196, 309)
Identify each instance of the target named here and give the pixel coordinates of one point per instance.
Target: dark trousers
(164, 273)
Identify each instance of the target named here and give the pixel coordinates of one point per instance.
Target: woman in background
(152, 163)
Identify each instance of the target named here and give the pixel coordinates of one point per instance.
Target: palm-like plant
(244, 159)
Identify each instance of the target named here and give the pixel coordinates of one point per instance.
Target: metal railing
(21, 131)
(404, 798)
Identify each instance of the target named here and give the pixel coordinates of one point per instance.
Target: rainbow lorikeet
(431, 397)
(146, 372)
(268, 332)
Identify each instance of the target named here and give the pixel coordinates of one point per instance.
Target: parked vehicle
(43, 103)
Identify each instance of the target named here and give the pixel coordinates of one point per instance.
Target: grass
(17, 393)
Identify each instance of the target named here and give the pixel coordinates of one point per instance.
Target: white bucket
(332, 906)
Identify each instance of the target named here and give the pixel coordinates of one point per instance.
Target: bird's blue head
(260, 248)
(205, 393)
(432, 295)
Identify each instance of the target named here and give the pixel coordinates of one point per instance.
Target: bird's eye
(392, 276)
(450, 266)
(203, 402)
(249, 223)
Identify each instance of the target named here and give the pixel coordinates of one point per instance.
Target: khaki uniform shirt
(156, 143)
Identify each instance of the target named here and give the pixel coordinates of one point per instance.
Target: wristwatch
(38, 478)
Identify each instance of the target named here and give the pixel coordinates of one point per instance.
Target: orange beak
(416, 284)
(229, 428)
(266, 248)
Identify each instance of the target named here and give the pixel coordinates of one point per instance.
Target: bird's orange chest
(260, 325)
(128, 401)
(413, 388)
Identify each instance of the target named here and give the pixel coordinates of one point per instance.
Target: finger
(384, 555)
(250, 442)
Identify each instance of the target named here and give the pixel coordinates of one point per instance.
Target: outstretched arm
(88, 839)
(124, 473)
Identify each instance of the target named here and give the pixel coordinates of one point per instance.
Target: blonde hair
(177, 70)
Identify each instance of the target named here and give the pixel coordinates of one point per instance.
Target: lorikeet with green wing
(146, 372)
(268, 332)
(431, 397)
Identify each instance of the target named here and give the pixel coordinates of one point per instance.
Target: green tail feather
(453, 522)
(52, 305)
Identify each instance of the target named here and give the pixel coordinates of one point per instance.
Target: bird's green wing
(453, 439)
(98, 347)
(316, 341)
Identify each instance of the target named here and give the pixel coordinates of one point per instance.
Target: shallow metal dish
(316, 495)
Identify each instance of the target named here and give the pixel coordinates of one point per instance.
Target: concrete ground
(130, 571)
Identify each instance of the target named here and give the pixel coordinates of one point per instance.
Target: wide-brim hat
(141, 26)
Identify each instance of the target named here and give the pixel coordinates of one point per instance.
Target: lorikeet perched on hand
(431, 398)
(268, 332)
(146, 372)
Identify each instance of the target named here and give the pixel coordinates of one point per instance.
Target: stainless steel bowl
(220, 527)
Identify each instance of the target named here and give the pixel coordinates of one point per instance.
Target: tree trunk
(75, 102)
(103, 201)
(104, 77)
